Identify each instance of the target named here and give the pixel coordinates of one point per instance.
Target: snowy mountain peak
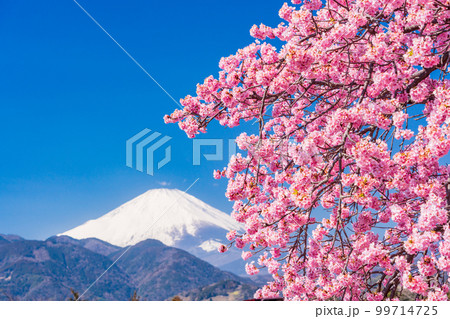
(169, 215)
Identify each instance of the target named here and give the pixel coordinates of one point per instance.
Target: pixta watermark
(145, 148)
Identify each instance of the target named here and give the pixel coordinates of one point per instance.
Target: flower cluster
(341, 187)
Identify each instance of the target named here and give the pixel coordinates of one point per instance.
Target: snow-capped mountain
(173, 217)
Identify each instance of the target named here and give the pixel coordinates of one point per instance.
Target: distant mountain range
(48, 270)
(173, 217)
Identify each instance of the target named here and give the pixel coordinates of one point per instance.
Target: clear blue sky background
(70, 98)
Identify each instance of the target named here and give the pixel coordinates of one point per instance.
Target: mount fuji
(173, 217)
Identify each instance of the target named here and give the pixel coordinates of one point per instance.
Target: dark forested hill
(160, 272)
(47, 270)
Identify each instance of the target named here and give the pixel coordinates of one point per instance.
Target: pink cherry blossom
(251, 269)
(342, 177)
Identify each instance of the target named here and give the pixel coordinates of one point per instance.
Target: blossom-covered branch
(343, 189)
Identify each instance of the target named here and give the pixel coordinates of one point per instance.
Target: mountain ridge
(47, 270)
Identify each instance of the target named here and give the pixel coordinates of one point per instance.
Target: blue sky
(70, 98)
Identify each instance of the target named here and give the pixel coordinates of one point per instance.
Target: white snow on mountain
(210, 245)
(175, 218)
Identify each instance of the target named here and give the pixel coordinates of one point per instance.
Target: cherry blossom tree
(342, 185)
